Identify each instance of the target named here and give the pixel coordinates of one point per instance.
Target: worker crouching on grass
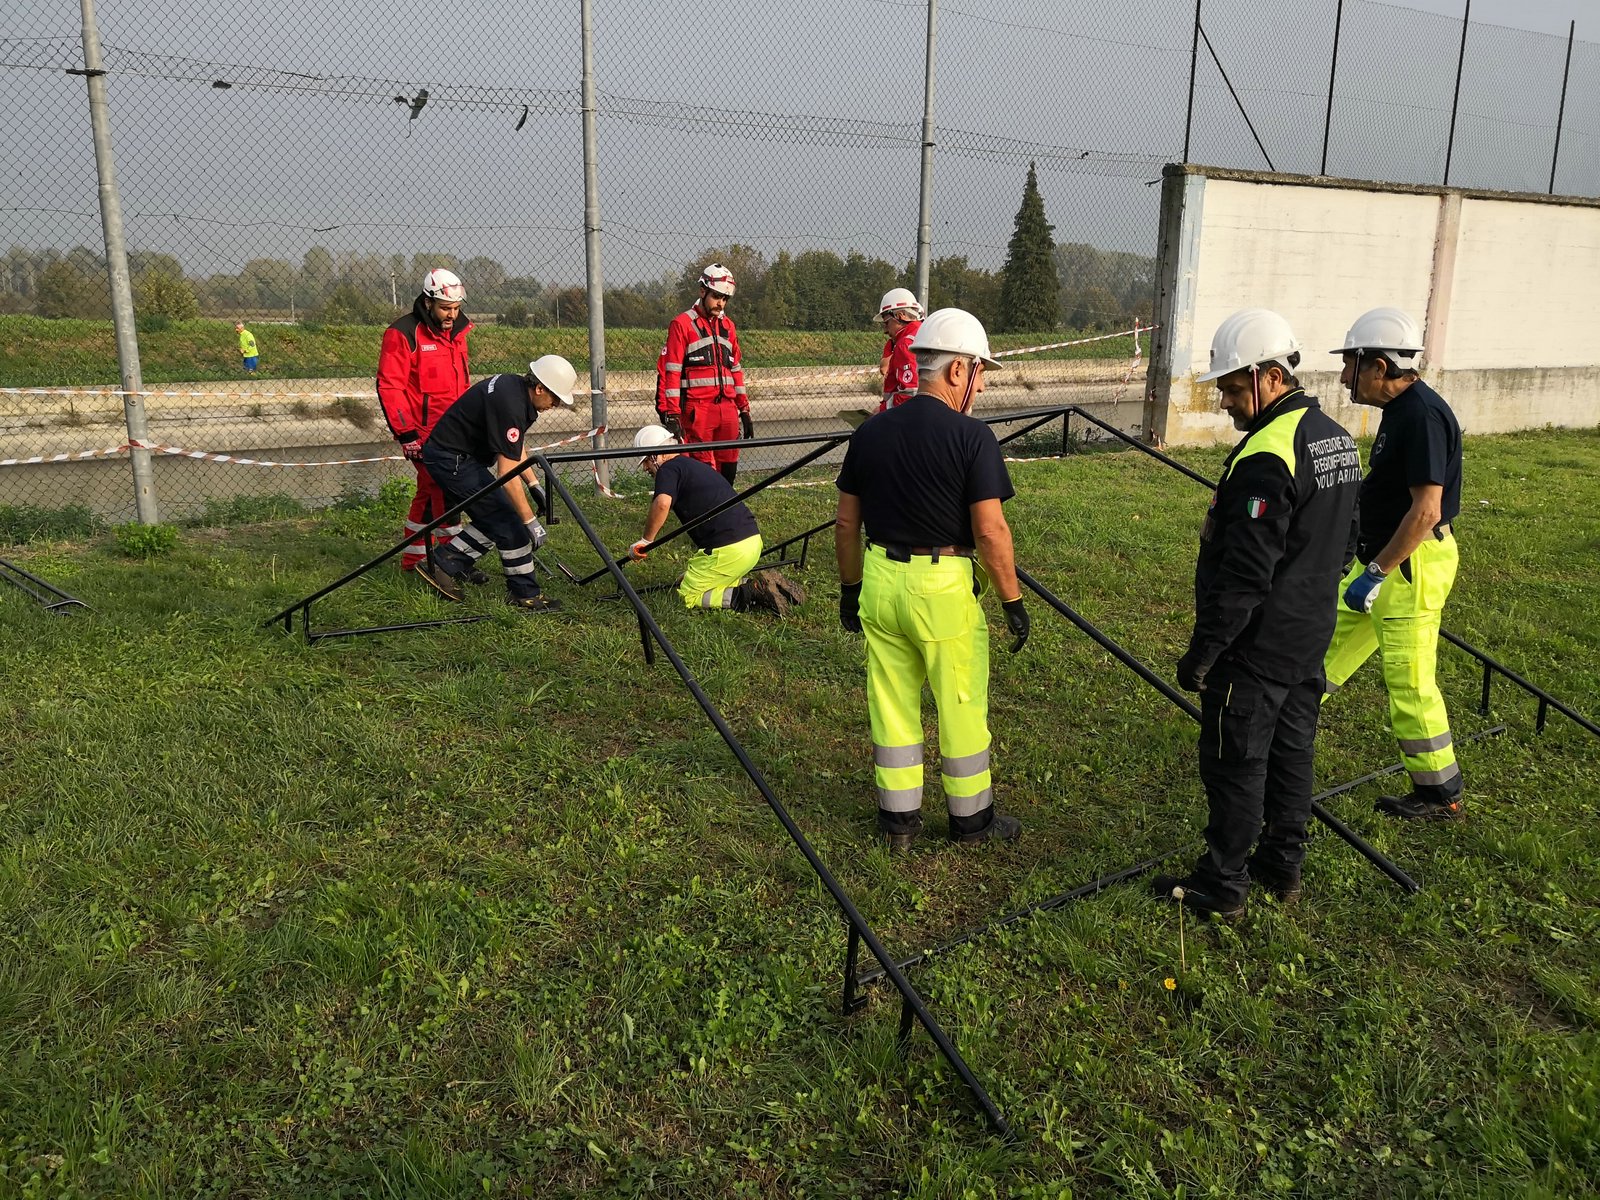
(728, 544)
(1393, 604)
(1274, 543)
(482, 436)
(927, 482)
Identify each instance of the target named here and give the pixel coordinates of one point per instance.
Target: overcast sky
(784, 126)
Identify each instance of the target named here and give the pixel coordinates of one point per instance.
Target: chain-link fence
(301, 166)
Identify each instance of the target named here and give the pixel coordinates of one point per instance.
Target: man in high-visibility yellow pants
(927, 482)
(1393, 597)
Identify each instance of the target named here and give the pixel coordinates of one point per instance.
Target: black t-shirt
(1418, 442)
(488, 421)
(918, 469)
(696, 488)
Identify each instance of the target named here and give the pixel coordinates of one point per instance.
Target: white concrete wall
(1507, 289)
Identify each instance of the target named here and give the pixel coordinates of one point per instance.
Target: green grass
(35, 352)
(491, 909)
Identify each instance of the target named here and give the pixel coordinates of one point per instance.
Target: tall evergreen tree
(1029, 291)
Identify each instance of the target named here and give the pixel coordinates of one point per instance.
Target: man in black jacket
(1272, 550)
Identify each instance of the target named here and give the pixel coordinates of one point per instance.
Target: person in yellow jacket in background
(247, 347)
(927, 482)
(1392, 599)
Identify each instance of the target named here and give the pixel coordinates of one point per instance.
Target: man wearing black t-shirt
(927, 482)
(1393, 597)
(479, 439)
(729, 543)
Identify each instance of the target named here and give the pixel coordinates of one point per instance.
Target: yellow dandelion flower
(1170, 984)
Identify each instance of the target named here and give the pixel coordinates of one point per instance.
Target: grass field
(35, 352)
(491, 909)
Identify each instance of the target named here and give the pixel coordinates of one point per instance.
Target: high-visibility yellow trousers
(1403, 627)
(710, 580)
(923, 623)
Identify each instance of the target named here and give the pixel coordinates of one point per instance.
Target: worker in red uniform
(902, 317)
(700, 392)
(422, 368)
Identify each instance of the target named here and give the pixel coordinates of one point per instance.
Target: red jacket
(700, 363)
(421, 371)
(900, 383)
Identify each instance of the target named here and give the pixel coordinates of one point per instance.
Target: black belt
(896, 553)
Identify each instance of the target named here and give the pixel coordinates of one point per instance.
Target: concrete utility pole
(144, 490)
(591, 251)
(925, 191)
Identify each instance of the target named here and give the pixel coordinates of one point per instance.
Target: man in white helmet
(727, 545)
(479, 438)
(1274, 543)
(422, 368)
(902, 317)
(700, 392)
(1393, 598)
(927, 482)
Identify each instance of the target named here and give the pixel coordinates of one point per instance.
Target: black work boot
(763, 593)
(899, 830)
(440, 580)
(791, 591)
(538, 602)
(1416, 808)
(1187, 890)
(1001, 828)
(1283, 888)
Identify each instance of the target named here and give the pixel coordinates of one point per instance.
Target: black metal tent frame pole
(303, 605)
(1490, 666)
(913, 1007)
(1121, 875)
(49, 596)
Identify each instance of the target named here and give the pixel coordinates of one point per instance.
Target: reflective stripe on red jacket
(699, 364)
(421, 371)
(900, 379)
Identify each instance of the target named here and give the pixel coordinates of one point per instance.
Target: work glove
(669, 422)
(1192, 672)
(412, 449)
(637, 552)
(747, 428)
(538, 532)
(850, 607)
(1017, 619)
(1362, 593)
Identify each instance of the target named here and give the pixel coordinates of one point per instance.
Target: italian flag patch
(1255, 506)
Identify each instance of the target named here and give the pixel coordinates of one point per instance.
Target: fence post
(1561, 111)
(1333, 69)
(1194, 61)
(1455, 103)
(144, 489)
(591, 253)
(925, 188)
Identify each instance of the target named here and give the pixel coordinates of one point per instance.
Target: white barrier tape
(61, 458)
(118, 393)
(207, 456)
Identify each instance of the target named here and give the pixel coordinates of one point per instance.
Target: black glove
(850, 607)
(669, 422)
(747, 428)
(411, 447)
(1192, 672)
(1017, 619)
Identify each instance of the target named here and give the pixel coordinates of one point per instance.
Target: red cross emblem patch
(514, 433)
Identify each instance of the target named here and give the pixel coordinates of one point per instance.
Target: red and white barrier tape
(61, 458)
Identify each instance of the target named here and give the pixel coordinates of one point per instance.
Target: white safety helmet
(1390, 332)
(900, 300)
(955, 331)
(557, 376)
(1251, 337)
(439, 284)
(717, 279)
(651, 436)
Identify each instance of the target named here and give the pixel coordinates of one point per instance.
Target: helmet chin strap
(1255, 392)
(972, 380)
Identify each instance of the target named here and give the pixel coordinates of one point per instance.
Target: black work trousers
(460, 477)
(1256, 739)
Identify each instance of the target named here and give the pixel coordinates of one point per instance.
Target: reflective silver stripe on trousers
(970, 806)
(718, 598)
(963, 766)
(517, 562)
(1329, 687)
(1424, 745)
(1443, 775)
(471, 543)
(897, 756)
(900, 799)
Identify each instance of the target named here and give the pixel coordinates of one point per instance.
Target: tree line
(1041, 287)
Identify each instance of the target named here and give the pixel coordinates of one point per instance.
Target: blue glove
(1362, 593)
